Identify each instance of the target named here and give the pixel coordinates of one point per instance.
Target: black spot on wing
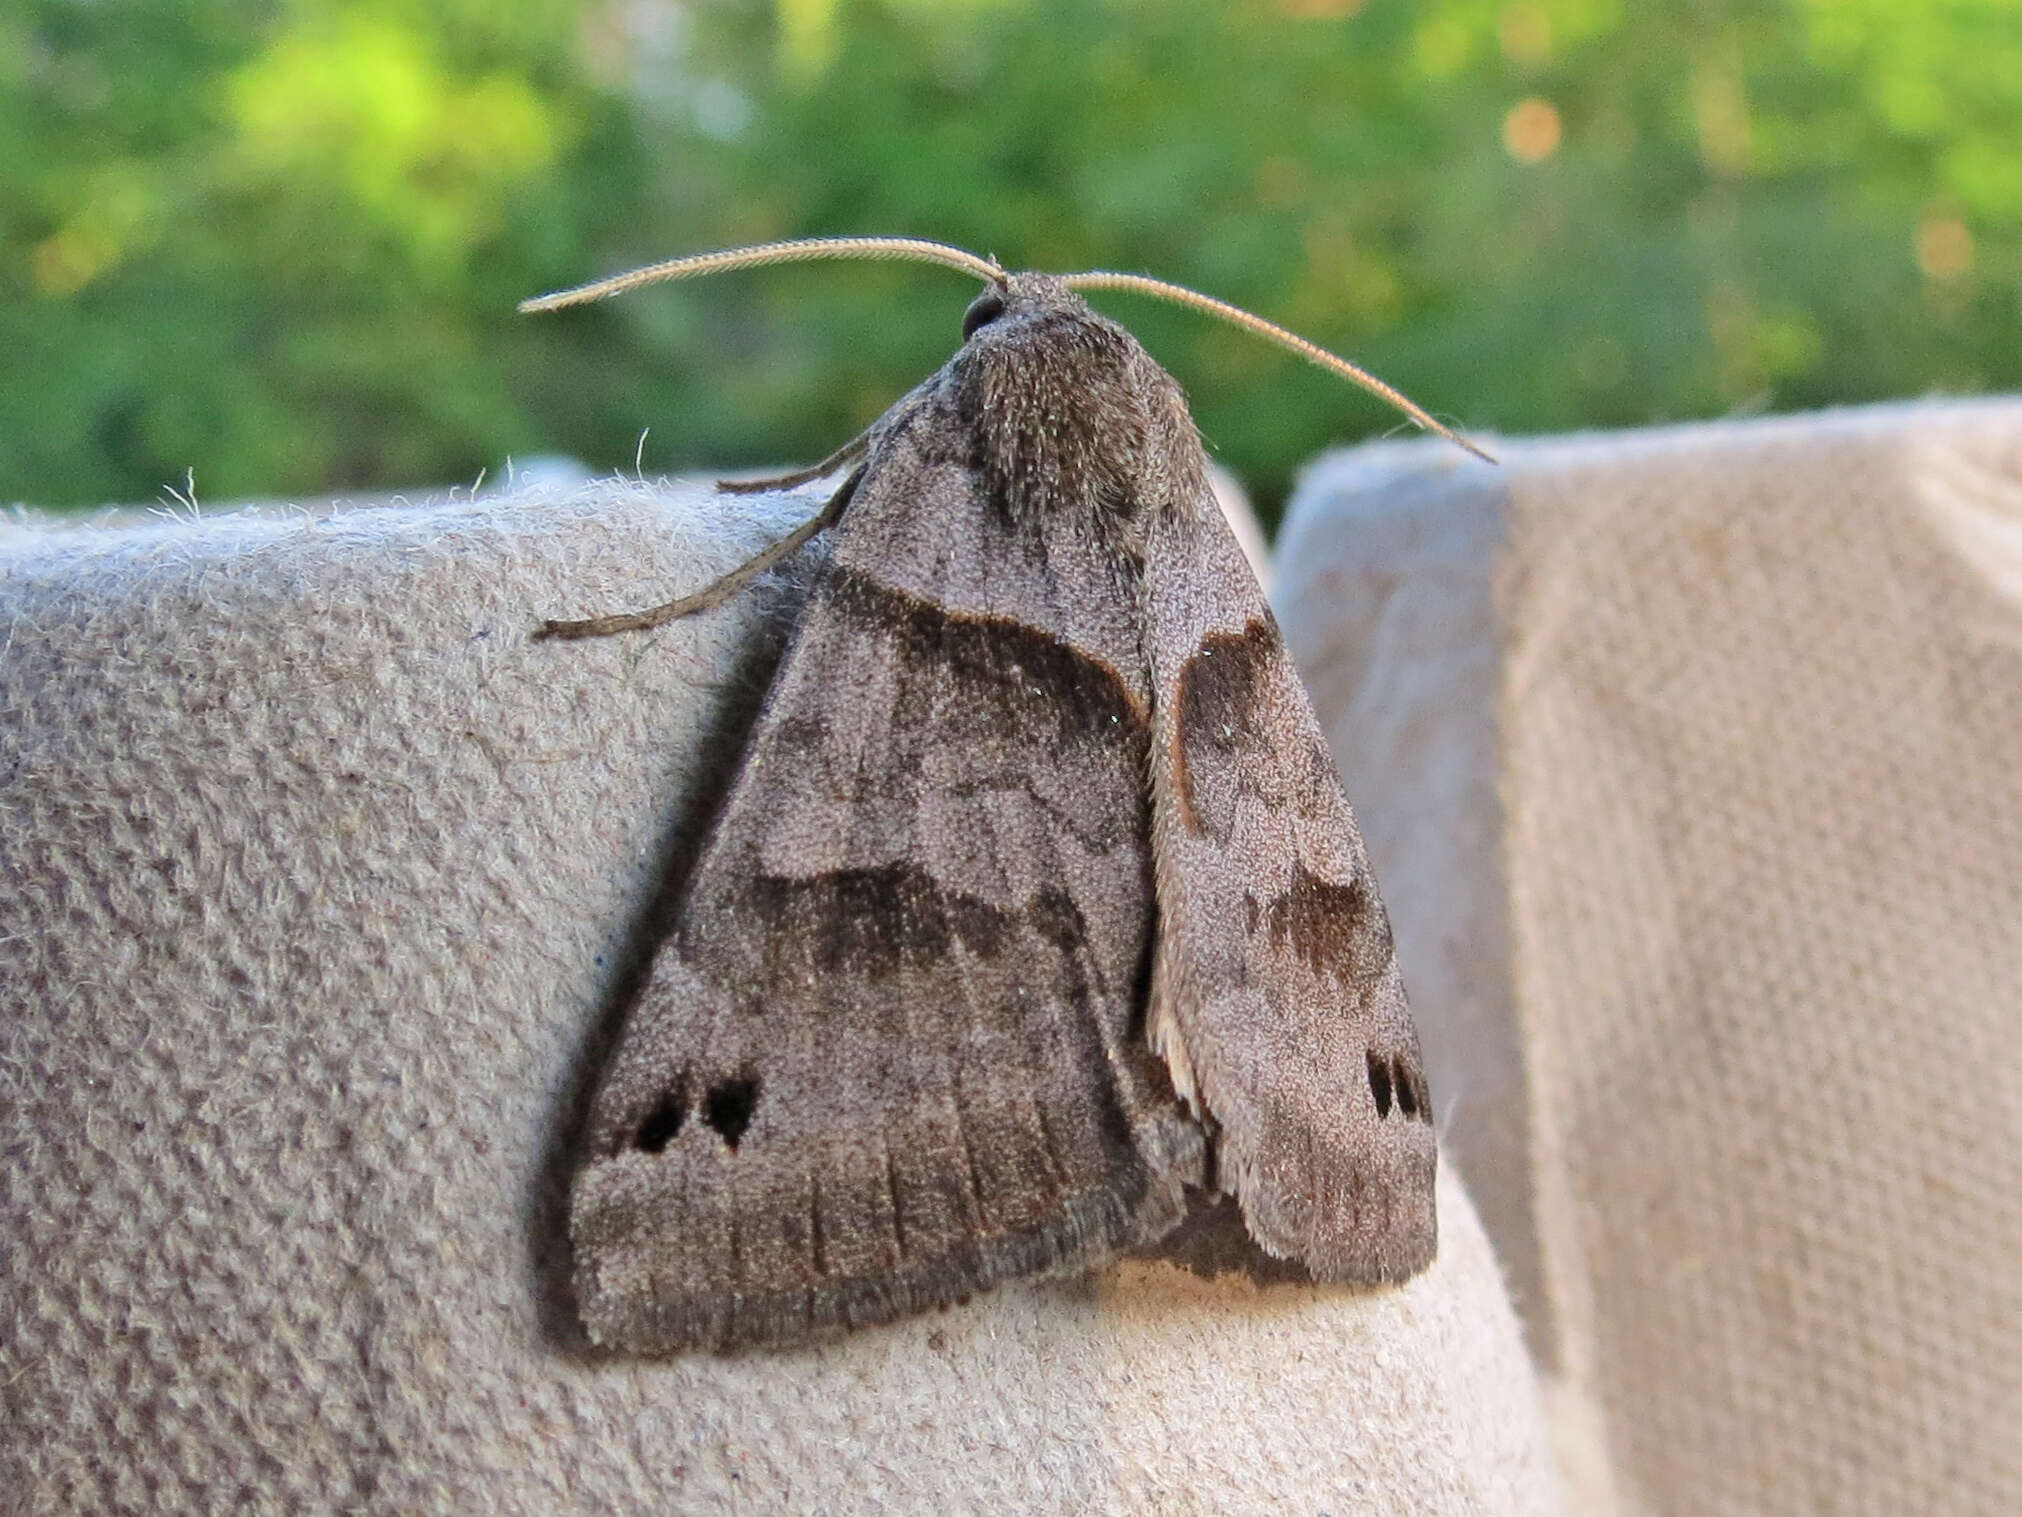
(1395, 1082)
(730, 1106)
(1379, 1083)
(660, 1125)
(1407, 1091)
(727, 1108)
(1421, 1100)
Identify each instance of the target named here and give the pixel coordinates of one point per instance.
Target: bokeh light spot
(1531, 130)
(1944, 247)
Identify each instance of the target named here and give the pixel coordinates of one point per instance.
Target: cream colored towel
(1691, 762)
(320, 886)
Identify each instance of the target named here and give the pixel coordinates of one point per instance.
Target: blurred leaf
(279, 243)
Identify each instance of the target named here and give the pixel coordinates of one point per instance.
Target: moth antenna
(802, 250)
(1269, 330)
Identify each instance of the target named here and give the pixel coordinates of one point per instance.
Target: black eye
(983, 310)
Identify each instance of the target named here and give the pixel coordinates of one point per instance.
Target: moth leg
(722, 589)
(849, 452)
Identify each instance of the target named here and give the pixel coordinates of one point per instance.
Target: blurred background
(275, 247)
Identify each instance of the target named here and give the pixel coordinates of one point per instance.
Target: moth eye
(661, 1123)
(983, 310)
(1379, 1084)
(729, 1107)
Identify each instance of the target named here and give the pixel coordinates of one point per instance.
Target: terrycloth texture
(320, 889)
(1726, 993)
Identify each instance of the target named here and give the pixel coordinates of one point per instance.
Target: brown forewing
(893, 1052)
(1277, 999)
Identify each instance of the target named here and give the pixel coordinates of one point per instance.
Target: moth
(1034, 911)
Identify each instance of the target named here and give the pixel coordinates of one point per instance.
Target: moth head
(1065, 411)
(1006, 302)
(983, 310)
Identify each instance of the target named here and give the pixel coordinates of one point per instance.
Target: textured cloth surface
(320, 890)
(1715, 928)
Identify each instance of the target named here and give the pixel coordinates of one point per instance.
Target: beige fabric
(1750, 909)
(319, 885)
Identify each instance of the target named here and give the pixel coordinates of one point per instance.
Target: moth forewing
(890, 1054)
(1278, 994)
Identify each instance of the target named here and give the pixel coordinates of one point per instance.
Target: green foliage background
(278, 242)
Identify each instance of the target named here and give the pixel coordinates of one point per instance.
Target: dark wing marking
(892, 1052)
(1276, 1000)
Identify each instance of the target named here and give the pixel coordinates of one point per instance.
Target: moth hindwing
(1034, 904)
